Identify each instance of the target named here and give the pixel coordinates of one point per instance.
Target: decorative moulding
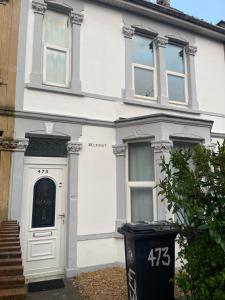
(21, 145)
(128, 32)
(119, 149)
(7, 144)
(74, 147)
(76, 18)
(191, 50)
(161, 41)
(39, 8)
(162, 146)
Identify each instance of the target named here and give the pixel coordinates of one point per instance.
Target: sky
(212, 11)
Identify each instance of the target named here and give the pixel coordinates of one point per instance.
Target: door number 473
(159, 256)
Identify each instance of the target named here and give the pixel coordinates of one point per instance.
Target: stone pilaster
(161, 149)
(120, 152)
(73, 149)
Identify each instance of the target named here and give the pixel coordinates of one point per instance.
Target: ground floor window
(141, 181)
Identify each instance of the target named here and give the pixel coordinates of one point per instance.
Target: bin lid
(147, 228)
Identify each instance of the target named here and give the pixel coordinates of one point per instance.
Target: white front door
(43, 222)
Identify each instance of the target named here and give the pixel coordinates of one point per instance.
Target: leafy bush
(194, 188)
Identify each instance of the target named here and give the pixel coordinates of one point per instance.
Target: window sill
(54, 89)
(152, 104)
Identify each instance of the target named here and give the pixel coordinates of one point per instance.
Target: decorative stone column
(76, 20)
(160, 44)
(73, 149)
(16, 188)
(191, 80)
(161, 148)
(120, 151)
(128, 33)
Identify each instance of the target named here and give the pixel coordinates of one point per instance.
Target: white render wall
(103, 69)
(97, 182)
(102, 51)
(210, 75)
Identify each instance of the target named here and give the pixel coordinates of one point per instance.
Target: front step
(11, 235)
(8, 282)
(11, 262)
(9, 249)
(11, 270)
(14, 254)
(13, 294)
(9, 239)
(10, 244)
(12, 281)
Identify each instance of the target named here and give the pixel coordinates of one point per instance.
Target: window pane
(141, 162)
(142, 50)
(56, 66)
(141, 204)
(175, 58)
(44, 203)
(144, 82)
(183, 145)
(57, 29)
(176, 88)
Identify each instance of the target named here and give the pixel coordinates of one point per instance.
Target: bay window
(176, 73)
(56, 49)
(141, 181)
(143, 62)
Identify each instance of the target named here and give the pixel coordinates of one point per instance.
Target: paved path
(67, 293)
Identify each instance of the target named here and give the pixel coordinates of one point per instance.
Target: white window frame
(140, 184)
(146, 67)
(59, 49)
(181, 75)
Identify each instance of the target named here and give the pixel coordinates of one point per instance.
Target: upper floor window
(56, 49)
(176, 74)
(141, 181)
(143, 67)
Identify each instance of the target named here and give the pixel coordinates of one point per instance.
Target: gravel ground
(108, 284)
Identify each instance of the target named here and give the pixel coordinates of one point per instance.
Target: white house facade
(104, 89)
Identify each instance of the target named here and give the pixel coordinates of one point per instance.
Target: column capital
(160, 41)
(211, 146)
(4, 2)
(119, 149)
(74, 147)
(191, 50)
(21, 145)
(161, 146)
(128, 32)
(7, 144)
(76, 18)
(39, 8)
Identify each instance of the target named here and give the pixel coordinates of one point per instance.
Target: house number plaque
(43, 171)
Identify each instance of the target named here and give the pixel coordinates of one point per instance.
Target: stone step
(9, 231)
(8, 255)
(9, 244)
(9, 248)
(13, 294)
(11, 270)
(7, 282)
(10, 261)
(11, 235)
(5, 240)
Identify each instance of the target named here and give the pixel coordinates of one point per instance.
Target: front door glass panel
(44, 198)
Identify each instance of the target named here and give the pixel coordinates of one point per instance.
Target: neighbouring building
(104, 89)
(9, 28)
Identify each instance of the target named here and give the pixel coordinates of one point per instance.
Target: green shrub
(194, 188)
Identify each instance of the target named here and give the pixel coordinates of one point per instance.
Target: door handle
(62, 215)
